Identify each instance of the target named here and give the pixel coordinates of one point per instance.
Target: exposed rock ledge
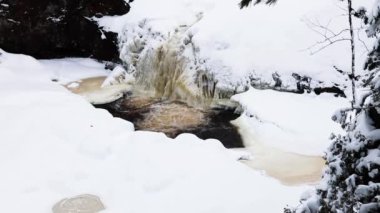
(59, 28)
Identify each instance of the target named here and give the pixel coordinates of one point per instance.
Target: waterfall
(170, 69)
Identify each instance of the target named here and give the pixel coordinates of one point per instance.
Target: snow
(72, 69)
(292, 122)
(107, 94)
(234, 43)
(117, 76)
(73, 85)
(54, 145)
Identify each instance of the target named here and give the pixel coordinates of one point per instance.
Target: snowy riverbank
(233, 44)
(56, 145)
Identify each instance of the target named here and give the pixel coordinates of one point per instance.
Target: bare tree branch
(341, 7)
(323, 30)
(329, 37)
(325, 45)
(362, 41)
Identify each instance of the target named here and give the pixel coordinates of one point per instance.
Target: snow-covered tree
(351, 182)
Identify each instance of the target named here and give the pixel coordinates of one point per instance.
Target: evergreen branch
(246, 3)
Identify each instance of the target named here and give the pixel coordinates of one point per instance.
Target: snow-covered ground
(233, 43)
(295, 123)
(72, 69)
(54, 145)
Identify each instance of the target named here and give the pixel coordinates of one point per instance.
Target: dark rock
(335, 90)
(303, 83)
(375, 117)
(276, 77)
(59, 28)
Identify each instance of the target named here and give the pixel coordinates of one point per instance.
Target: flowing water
(92, 90)
(174, 118)
(173, 70)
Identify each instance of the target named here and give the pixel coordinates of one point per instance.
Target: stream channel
(222, 122)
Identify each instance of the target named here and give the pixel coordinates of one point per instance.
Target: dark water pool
(174, 118)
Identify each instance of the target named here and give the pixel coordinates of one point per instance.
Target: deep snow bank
(55, 144)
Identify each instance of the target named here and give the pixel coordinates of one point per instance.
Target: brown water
(289, 168)
(174, 118)
(86, 85)
(171, 118)
(92, 90)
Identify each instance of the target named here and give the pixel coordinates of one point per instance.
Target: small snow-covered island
(190, 106)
